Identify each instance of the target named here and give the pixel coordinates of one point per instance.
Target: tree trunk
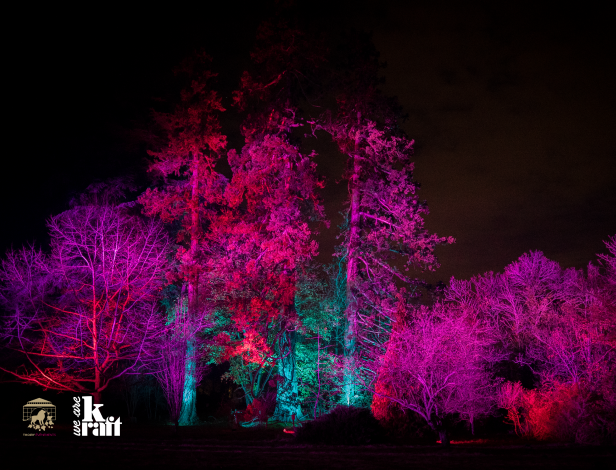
(350, 337)
(439, 427)
(188, 415)
(287, 403)
(444, 438)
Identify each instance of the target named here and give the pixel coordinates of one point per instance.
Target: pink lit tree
(279, 186)
(384, 218)
(554, 321)
(559, 325)
(174, 356)
(86, 313)
(185, 160)
(384, 227)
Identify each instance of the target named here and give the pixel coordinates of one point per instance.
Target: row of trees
(211, 265)
(238, 276)
(466, 356)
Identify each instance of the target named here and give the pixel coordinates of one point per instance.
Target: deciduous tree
(86, 313)
(439, 366)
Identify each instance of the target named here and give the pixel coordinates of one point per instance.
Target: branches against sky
(86, 313)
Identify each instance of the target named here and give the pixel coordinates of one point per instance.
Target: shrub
(346, 425)
(562, 412)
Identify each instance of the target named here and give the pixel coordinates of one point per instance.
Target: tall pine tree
(191, 188)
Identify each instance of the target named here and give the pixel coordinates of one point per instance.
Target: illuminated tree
(86, 313)
(186, 160)
(556, 322)
(384, 226)
(259, 242)
(559, 325)
(384, 215)
(285, 62)
(438, 365)
(317, 365)
(174, 355)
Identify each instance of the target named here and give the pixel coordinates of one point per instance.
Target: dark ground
(212, 447)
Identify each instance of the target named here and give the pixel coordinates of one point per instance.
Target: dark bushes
(346, 425)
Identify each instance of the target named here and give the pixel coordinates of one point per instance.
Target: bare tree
(86, 313)
(438, 365)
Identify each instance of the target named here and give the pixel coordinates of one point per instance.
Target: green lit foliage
(319, 339)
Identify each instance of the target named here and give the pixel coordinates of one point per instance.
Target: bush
(346, 425)
(562, 412)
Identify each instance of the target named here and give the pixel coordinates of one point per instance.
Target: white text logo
(93, 422)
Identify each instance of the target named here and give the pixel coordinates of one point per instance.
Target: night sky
(513, 110)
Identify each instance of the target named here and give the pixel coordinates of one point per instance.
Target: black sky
(512, 107)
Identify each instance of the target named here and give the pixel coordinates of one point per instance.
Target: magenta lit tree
(185, 161)
(438, 365)
(384, 227)
(384, 217)
(180, 331)
(86, 313)
(555, 322)
(559, 325)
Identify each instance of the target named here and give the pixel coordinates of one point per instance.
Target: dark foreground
(214, 448)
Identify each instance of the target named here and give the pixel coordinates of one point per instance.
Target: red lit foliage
(562, 412)
(258, 242)
(185, 159)
(86, 313)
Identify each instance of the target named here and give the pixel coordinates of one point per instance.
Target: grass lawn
(213, 447)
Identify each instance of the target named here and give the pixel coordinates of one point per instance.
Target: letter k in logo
(89, 412)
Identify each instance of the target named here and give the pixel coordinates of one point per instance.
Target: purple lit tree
(174, 356)
(558, 324)
(86, 313)
(439, 365)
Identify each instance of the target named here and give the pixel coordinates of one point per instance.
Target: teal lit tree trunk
(189, 416)
(287, 402)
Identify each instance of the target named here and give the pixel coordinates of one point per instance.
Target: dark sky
(512, 107)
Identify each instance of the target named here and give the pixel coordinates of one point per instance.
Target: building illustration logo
(93, 423)
(40, 414)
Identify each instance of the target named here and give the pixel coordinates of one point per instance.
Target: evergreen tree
(185, 157)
